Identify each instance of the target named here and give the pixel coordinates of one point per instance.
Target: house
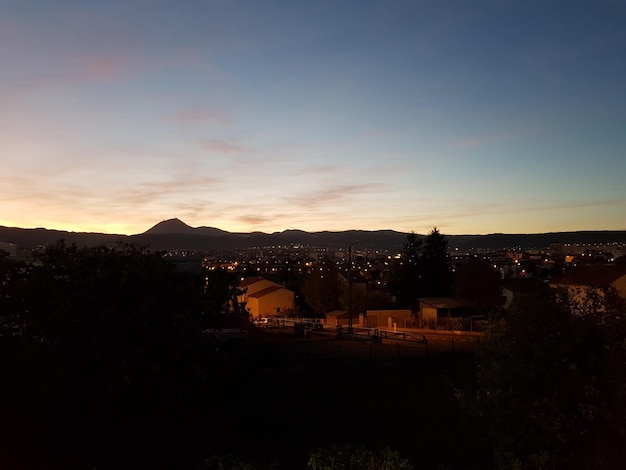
(338, 317)
(585, 285)
(433, 308)
(387, 319)
(264, 298)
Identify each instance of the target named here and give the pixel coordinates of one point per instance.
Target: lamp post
(350, 287)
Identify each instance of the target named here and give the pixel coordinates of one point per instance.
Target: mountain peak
(171, 226)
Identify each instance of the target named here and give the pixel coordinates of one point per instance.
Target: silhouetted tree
(232, 462)
(542, 385)
(605, 310)
(356, 457)
(219, 301)
(321, 289)
(408, 285)
(477, 280)
(377, 300)
(436, 267)
(93, 326)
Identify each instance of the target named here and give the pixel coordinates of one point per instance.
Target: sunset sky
(472, 116)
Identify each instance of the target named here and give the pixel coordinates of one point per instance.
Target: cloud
(152, 192)
(221, 146)
(334, 195)
(254, 219)
(103, 68)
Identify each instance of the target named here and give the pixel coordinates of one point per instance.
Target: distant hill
(29, 238)
(175, 234)
(537, 240)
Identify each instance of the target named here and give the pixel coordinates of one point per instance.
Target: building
(264, 298)
(387, 319)
(434, 308)
(338, 317)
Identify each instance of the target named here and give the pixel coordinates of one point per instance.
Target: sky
(475, 117)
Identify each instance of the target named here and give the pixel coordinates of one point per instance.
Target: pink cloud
(250, 219)
(102, 68)
(335, 195)
(223, 146)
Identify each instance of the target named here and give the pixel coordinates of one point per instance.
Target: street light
(350, 287)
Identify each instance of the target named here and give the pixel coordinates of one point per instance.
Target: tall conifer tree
(409, 285)
(436, 267)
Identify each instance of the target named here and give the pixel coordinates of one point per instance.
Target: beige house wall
(275, 303)
(427, 316)
(386, 318)
(254, 288)
(340, 317)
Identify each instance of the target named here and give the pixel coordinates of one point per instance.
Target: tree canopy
(321, 289)
(99, 322)
(545, 386)
(436, 265)
(477, 280)
(408, 285)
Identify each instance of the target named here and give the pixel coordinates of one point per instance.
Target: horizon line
(95, 232)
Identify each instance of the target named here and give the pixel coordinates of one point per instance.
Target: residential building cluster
(373, 269)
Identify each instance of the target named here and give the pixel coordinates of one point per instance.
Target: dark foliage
(88, 335)
(321, 289)
(356, 457)
(478, 281)
(408, 285)
(436, 267)
(104, 366)
(546, 387)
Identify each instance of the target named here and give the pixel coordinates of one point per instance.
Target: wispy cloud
(334, 195)
(254, 219)
(102, 68)
(152, 192)
(221, 146)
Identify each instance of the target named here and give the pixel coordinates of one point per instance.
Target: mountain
(170, 226)
(175, 234)
(178, 227)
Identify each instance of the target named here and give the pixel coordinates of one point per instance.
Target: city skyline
(489, 117)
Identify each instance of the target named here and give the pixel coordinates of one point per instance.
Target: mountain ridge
(176, 234)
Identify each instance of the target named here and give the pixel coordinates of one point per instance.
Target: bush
(353, 457)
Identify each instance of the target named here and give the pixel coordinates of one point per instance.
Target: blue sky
(475, 117)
